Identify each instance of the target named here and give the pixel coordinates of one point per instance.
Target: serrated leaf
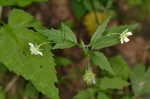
(63, 38)
(16, 56)
(19, 19)
(106, 41)
(102, 95)
(100, 30)
(99, 59)
(68, 34)
(53, 34)
(140, 80)
(86, 94)
(112, 83)
(120, 67)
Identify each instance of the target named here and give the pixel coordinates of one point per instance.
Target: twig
(11, 83)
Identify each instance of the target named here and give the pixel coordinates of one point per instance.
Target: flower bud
(89, 77)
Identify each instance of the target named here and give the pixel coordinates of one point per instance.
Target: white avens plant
(124, 36)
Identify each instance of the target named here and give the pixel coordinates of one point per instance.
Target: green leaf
(98, 5)
(63, 38)
(140, 80)
(102, 95)
(133, 3)
(99, 32)
(111, 36)
(112, 83)
(21, 3)
(3, 68)
(99, 59)
(77, 8)
(87, 5)
(109, 4)
(2, 94)
(62, 61)
(19, 19)
(16, 56)
(121, 28)
(52, 34)
(106, 41)
(30, 91)
(120, 67)
(68, 34)
(86, 94)
(63, 44)
(7, 2)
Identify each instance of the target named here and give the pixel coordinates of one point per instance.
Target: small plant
(25, 48)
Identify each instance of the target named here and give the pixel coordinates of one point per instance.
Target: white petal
(31, 45)
(121, 40)
(40, 53)
(126, 39)
(129, 33)
(37, 52)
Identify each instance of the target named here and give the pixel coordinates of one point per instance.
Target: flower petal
(122, 41)
(40, 53)
(129, 33)
(126, 39)
(35, 49)
(31, 44)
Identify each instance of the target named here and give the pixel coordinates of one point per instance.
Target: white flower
(124, 36)
(35, 49)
